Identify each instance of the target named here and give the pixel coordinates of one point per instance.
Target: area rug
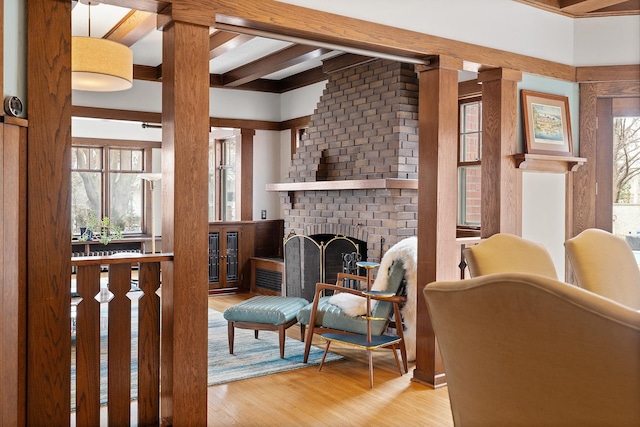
(251, 358)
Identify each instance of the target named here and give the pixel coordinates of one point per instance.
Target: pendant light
(100, 65)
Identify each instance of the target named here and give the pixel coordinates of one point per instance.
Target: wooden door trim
(584, 199)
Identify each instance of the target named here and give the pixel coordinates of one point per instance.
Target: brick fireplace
(355, 173)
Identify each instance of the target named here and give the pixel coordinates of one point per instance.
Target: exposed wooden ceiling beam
(112, 114)
(302, 79)
(296, 81)
(132, 28)
(148, 117)
(277, 61)
(346, 60)
(629, 7)
(148, 73)
(583, 7)
(587, 8)
(223, 41)
(136, 24)
(154, 6)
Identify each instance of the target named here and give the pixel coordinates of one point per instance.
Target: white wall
(15, 51)
(301, 102)
(223, 103)
(543, 213)
(503, 24)
(607, 41)
(266, 169)
(82, 127)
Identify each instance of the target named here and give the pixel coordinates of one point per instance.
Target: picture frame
(547, 123)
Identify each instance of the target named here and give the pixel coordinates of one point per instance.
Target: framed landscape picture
(547, 125)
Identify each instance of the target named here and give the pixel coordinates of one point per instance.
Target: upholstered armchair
(322, 317)
(604, 263)
(523, 349)
(502, 253)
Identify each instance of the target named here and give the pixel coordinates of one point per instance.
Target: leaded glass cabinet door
(224, 258)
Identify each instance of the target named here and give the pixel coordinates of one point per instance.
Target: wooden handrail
(120, 258)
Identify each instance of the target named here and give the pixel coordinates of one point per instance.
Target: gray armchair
(322, 317)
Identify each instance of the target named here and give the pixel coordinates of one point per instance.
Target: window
(86, 184)
(228, 180)
(469, 157)
(223, 180)
(125, 188)
(105, 180)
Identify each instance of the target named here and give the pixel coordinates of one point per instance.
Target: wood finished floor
(339, 395)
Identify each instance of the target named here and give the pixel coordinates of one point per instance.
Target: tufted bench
(265, 313)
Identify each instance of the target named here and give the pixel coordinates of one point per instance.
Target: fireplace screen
(309, 260)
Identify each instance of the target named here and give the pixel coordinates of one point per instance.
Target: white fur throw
(407, 251)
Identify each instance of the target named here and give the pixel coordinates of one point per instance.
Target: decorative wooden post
(185, 137)
(49, 210)
(437, 199)
(500, 190)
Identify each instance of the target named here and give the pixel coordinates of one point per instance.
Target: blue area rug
(251, 358)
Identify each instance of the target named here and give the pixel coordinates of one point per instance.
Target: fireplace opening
(319, 258)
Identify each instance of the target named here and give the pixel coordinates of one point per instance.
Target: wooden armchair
(322, 317)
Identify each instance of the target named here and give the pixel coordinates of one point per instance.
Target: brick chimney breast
(365, 127)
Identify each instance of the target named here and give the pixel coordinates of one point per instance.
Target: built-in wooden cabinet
(231, 247)
(225, 257)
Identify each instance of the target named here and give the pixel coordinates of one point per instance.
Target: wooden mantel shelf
(353, 184)
(547, 163)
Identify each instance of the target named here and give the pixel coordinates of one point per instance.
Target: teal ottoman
(265, 313)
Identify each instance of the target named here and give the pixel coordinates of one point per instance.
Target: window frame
(215, 204)
(106, 145)
(462, 205)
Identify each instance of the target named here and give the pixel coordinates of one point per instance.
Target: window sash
(469, 162)
(119, 191)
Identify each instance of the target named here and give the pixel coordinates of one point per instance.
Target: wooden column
(13, 275)
(245, 192)
(185, 145)
(2, 51)
(48, 212)
(500, 191)
(584, 182)
(437, 199)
